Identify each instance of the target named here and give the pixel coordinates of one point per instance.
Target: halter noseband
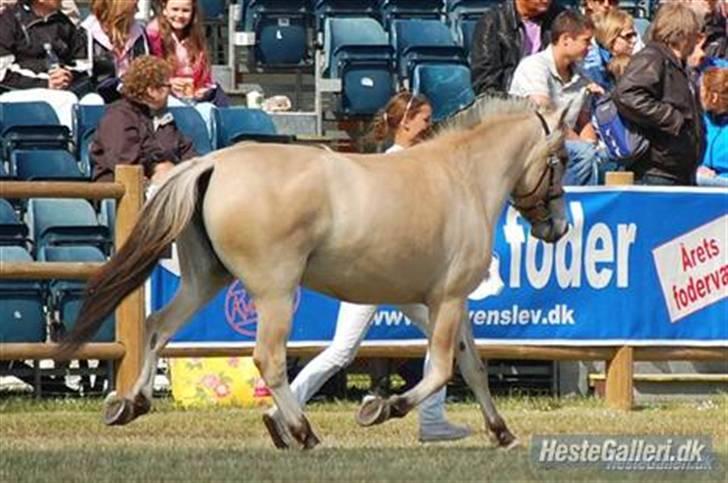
(538, 211)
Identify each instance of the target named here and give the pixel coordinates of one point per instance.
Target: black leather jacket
(498, 46)
(656, 95)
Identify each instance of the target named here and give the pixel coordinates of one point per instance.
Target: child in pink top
(177, 35)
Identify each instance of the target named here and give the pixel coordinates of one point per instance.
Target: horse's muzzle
(551, 230)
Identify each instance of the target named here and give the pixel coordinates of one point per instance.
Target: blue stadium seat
(235, 124)
(213, 9)
(410, 9)
(12, 230)
(55, 222)
(31, 125)
(640, 8)
(66, 296)
(418, 41)
(280, 28)
(22, 318)
(358, 53)
(191, 124)
(463, 15)
(107, 217)
(324, 9)
(85, 120)
(448, 87)
(45, 164)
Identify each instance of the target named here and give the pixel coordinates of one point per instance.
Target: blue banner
(641, 265)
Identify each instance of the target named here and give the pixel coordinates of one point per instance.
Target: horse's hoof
(275, 432)
(142, 405)
(374, 411)
(117, 411)
(308, 439)
(506, 440)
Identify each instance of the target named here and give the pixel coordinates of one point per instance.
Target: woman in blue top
(614, 34)
(713, 170)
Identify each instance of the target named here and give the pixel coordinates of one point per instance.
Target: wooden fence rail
(130, 314)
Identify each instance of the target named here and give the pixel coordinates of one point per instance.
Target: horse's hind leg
(447, 317)
(475, 373)
(202, 278)
(274, 322)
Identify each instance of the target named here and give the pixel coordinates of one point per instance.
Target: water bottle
(52, 60)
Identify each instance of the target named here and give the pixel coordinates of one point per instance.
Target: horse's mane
(484, 108)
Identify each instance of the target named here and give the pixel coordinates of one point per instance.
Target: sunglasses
(628, 36)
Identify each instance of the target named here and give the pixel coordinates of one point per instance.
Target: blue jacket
(716, 137)
(595, 65)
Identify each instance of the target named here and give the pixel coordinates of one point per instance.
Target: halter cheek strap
(539, 211)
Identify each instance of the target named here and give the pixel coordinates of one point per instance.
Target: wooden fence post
(619, 372)
(130, 313)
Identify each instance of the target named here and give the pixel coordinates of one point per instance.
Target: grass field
(65, 440)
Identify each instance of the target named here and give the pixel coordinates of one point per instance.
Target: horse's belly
(362, 283)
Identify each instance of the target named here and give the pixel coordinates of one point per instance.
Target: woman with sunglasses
(614, 35)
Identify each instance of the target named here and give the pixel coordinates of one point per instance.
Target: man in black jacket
(41, 47)
(506, 34)
(656, 95)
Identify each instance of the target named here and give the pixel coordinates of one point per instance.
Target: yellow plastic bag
(227, 381)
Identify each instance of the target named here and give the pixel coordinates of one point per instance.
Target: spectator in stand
(713, 171)
(656, 96)
(712, 14)
(506, 34)
(137, 129)
(41, 48)
(176, 35)
(68, 7)
(614, 34)
(116, 39)
(553, 79)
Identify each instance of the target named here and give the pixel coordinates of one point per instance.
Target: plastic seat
(417, 41)
(66, 296)
(56, 222)
(12, 230)
(235, 124)
(410, 9)
(448, 87)
(31, 125)
(280, 28)
(358, 53)
(22, 318)
(86, 119)
(46, 164)
(463, 15)
(107, 217)
(324, 9)
(190, 122)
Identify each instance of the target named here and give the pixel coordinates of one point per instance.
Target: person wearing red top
(177, 35)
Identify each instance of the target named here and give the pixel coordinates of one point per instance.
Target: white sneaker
(443, 431)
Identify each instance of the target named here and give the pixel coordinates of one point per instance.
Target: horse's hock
(127, 349)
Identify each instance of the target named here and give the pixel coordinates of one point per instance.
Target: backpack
(624, 144)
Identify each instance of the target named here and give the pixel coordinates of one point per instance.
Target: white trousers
(352, 324)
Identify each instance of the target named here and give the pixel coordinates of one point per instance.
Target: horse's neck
(494, 162)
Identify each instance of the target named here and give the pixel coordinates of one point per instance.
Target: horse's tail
(160, 222)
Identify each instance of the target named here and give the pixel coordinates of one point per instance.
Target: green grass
(65, 440)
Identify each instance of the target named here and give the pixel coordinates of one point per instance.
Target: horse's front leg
(445, 319)
(475, 373)
(274, 323)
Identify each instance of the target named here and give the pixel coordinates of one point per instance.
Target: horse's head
(538, 194)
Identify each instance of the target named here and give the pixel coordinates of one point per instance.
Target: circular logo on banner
(240, 310)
